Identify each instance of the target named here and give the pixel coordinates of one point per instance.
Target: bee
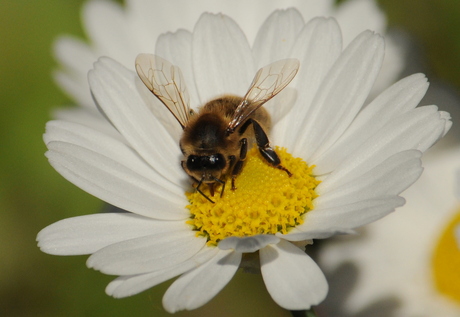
(215, 140)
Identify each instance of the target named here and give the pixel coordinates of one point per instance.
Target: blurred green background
(33, 195)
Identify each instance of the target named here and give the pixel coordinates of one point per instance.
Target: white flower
(412, 256)
(123, 32)
(364, 158)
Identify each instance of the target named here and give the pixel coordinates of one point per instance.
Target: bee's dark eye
(208, 162)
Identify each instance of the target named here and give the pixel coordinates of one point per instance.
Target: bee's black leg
(239, 165)
(265, 149)
(199, 190)
(223, 185)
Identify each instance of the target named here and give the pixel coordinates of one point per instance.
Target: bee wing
(267, 83)
(165, 81)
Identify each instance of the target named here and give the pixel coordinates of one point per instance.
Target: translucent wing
(267, 83)
(165, 81)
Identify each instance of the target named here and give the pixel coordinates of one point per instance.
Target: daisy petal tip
(112, 290)
(91, 264)
(293, 279)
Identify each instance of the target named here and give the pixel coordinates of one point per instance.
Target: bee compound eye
(207, 162)
(216, 161)
(194, 163)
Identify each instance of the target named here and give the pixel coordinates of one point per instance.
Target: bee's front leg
(239, 164)
(265, 149)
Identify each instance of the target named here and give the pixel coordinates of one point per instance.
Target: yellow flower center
(266, 200)
(446, 261)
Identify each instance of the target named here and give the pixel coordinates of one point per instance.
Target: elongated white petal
(104, 144)
(148, 253)
(318, 46)
(110, 30)
(399, 98)
(293, 279)
(74, 53)
(115, 183)
(345, 217)
(199, 286)
(177, 49)
(370, 18)
(339, 99)
(277, 36)
(88, 117)
(247, 244)
(88, 234)
(223, 65)
(416, 129)
(75, 86)
(391, 177)
(130, 285)
(78, 59)
(114, 87)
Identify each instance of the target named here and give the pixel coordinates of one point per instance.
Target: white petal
(199, 286)
(88, 117)
(354, 16)
(341, 95)
(113, 150)
(448, 122)
(318, 46)
(391, 177)
(277, 36)
(75, 54)
(293, 279)
(88, 234)
(148, 253)
(248, 14)
(132, 284)
(109, 29)
(394, 63)
(416, 129)
(117, 184)
(222, 60)
(177, 49)
(77, 58)
(75, 86)
(247, 244)
(399, 98)
(345, 217)
(115, 90)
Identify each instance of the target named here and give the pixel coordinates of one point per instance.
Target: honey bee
(215, 140)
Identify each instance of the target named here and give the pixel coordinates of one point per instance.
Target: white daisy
(123, 32)
(362, 159)
(411, 257)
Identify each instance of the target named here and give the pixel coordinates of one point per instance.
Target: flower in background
(411, 259)
(122, 32)
(349, 162)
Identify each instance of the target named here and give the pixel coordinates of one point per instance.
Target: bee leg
(239, 165)
(211, 189)
(265, 149)
(198, 190)
(223, 185)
